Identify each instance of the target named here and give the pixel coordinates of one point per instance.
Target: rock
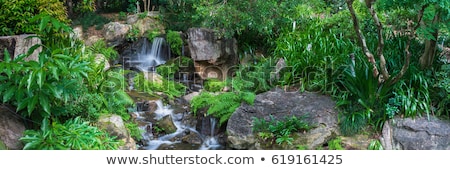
(356, 142)
(153, 77)
(77, 33)
(280, 104)
(91, 40)
(19, 44)
(192, 138)
(100, 58)
(166, 124)
(148, 24)
(115, 33)
(213, 56)
(113, 124)
(131, 19)
(189, 96)
(11, 129)
(416, 134)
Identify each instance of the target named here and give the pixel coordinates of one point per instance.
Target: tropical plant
(15, 14)
(134, 131)
(170, 88)
(74, 134)
(335, 144)
(100, 47)
(375, 145)
(221, 105)
(214, 85)
(280, 130)
(175, 42)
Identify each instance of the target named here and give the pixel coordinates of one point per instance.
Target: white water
(209, 142)
(147, 58)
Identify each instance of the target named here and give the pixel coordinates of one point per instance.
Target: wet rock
(11, 129)
(167, 124)
(416, 134)
(319, 110)
(192, 138)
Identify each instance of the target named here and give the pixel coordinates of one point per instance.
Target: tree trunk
(361, 38)
(427, 58)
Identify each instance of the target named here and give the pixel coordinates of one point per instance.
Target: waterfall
(148, 57)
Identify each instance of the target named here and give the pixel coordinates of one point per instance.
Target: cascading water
(153, 142)
(148, 57)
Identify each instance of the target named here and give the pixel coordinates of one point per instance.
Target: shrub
(74, 134)
(280, 130)
(170, 88)
(15, 14)
(175, 42)
(221, 105)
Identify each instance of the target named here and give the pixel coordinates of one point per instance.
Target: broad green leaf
(7, 56)
(32, 104)
(40, 78)
(44, 102)
(8, 94)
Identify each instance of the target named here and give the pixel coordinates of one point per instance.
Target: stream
(155, 118)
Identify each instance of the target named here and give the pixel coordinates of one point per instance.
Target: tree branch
(380, 46)
(407, 52)
(361, 38)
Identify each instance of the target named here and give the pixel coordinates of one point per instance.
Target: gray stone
(167, 125)
(77, 33)
(189, 96)
(20, 44)
(115, 33)
(319, 110)
(11, 129)
(192, 138)
(416, 134)
(114, 125)
(213, 56)
(101, 59)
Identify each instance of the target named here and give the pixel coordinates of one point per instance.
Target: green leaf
(7, 56)
(40, 78)
(9, 94)
(22, 104)
(44, 102)
(32, 104)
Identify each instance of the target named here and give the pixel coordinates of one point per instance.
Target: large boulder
(19, 44)
(416, 134)
(114, 125)
(11, 129)
(213, 56)
(279, 104)
(115, 33)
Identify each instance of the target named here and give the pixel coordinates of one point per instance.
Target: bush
(221, 105)
(170, 88)
(279, 130)
(175, 42)
(75, 134)
(15, 14)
